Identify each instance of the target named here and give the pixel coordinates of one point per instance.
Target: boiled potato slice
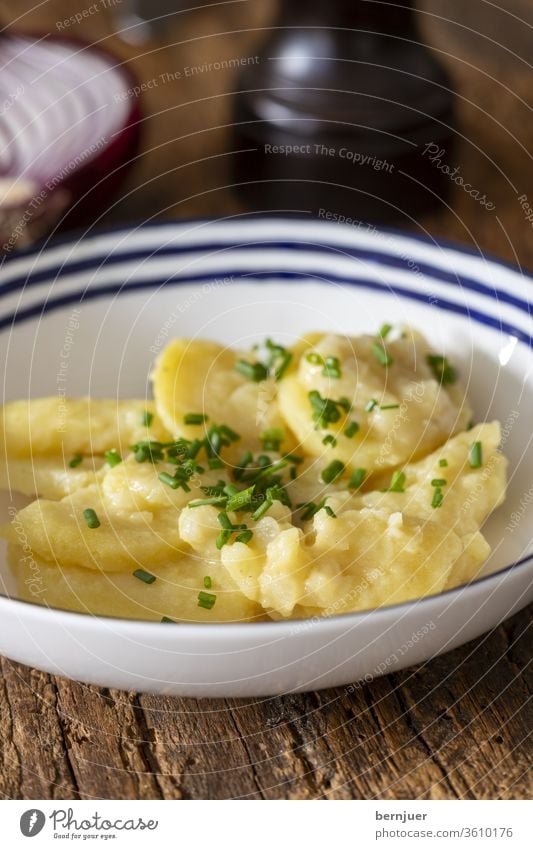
(370, 558)
(138, 517)
(469, 494)
(39, 438)
(49, 477)
(411, 416)
(173, 594)
(197, 376)
(47, 427)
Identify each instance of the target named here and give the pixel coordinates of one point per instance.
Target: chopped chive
(215, 463)
(225, 521)
(351, 430)
(167, 619)
(293, 458)
(475, 455)
(325, 410)
(357, 479)
(438, 482)
(371, 404)
(215, 501)
(381, 354)
(384, 330)
(470, 424)
(332, 472)
(252, 371)
(245, 461)
(240, 499)
(223, 538)
(206, 600)
(169, 480)
(443, 463)
(311, 509)
(147, 418)
(262, 509)
(442, 369)
(315, 359)
(112, 457)
(208, 583)
(389, 407)
(244, 536)
(272, 438)
(76, 460)
(230, 434)
(144, 576)
(329, 439)
(437, 498)
(91, 519)
(397, 482)
(286, 358)
(195, 418)
(332, 367)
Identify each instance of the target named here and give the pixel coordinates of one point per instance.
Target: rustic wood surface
(457, 727)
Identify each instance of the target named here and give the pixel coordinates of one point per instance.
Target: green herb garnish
(475, 455)
(206, 600)
(329, 439)
(167, 619)
(240, 499)
(357, 479)
(370, 405)
(91, 519)
(144, 576)
(311, 509)
(332, 472)
(381, 354)
(437, 498)
(442, 369)
(326, 411)
(384, 330)
(272, 438)
(208, 583)
(438, 482)
(252, 371)
(351, 430)
(112, 457)
(332, 367)
(397, 483)
(389, 407)
(195, 418)
(443, 463)
(147, 418)
(76, 460)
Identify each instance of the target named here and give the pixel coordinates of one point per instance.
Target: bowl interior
(106, 346)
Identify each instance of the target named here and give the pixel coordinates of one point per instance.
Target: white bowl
(237, 281)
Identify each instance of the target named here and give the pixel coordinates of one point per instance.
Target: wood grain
(457, 727)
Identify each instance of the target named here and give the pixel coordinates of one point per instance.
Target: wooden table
(455, 727)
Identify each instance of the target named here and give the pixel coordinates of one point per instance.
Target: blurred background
(202, 85)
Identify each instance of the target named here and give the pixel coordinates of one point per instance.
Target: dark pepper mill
(340, 111)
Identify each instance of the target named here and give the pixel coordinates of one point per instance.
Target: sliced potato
(174, 593)
(39, 439)
(411, 412)
(469, 494)
(197, 376)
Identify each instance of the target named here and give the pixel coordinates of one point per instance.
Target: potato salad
(333, 475)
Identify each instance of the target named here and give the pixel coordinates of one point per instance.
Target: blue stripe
(254, 277)
(384, 260)
(86, 235)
